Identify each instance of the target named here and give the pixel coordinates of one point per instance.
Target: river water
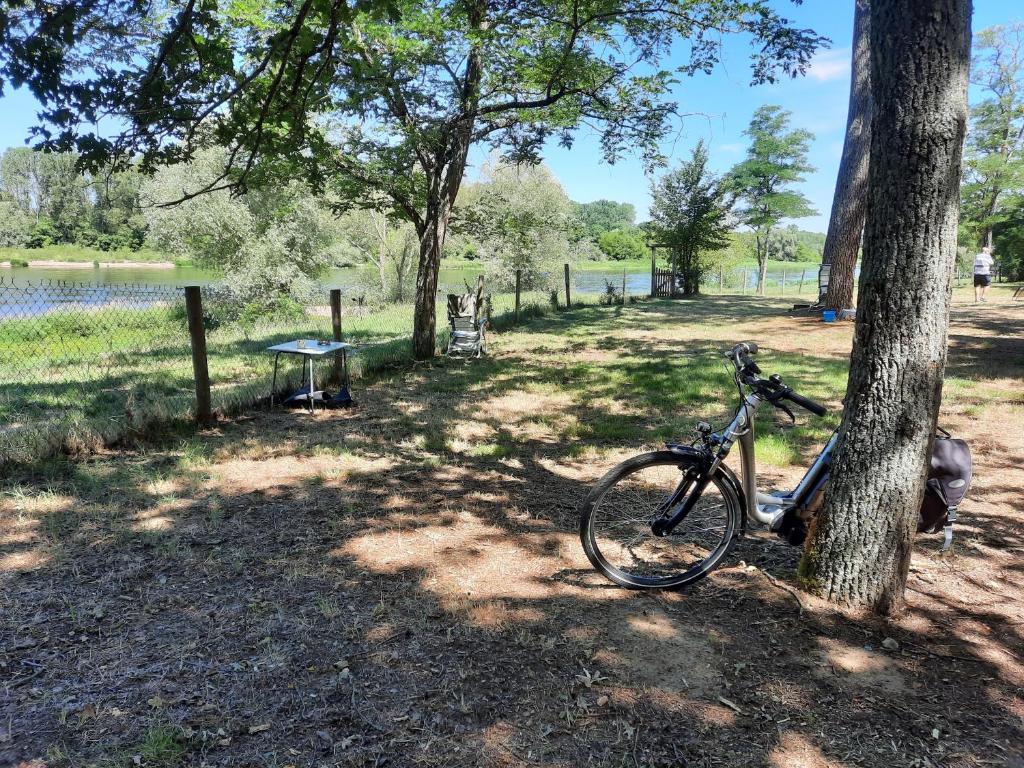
(352, 281)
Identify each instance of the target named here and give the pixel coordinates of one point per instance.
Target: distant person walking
(982, 273)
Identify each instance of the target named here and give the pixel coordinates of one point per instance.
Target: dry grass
(401, 584)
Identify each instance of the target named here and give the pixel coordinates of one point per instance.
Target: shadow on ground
(402, 584)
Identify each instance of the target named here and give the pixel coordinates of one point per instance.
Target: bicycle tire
(591, 537)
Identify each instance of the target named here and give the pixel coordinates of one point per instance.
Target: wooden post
(803, 274)
(783, 283)
(336, 328)
(721, 280)
(623, 287)
(197, 335)
(743, 287)
(654, 261)
(519, 280)
(568, 298)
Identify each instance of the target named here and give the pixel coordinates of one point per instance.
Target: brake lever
(783, 407)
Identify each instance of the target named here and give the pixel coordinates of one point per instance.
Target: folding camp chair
(468, 323)
(823, 275)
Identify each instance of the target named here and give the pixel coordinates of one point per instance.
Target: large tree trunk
(440, 202)
(858, 550)
(849, 204)
(444, 179)
(424, 333)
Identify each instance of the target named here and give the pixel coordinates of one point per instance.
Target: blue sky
(721, 105)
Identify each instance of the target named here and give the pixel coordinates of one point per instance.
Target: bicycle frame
(767, 508)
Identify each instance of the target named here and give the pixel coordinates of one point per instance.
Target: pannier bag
(949, 479)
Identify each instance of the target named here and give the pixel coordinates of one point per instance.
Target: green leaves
(776, 159)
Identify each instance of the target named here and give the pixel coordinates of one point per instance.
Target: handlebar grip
(742, 349)
(816, 408)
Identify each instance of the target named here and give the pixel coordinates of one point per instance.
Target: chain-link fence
(85, 365)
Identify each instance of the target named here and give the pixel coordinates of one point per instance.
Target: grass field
(402, 583)
(82, 378)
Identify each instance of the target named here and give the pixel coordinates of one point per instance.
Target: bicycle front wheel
(616, 517)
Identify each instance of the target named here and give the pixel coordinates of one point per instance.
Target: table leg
(312, 378)
(273, 386)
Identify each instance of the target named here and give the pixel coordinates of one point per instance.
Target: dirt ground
(402, 584)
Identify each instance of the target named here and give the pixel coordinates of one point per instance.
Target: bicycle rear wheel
(616, 517)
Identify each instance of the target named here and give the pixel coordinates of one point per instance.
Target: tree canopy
(763, 182)
(690, 215)
(376, 100)
(602, 216)
(521, 217)
(994, 155)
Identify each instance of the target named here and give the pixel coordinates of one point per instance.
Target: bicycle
(645, 527)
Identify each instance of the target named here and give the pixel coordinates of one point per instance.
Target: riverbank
(80, 257)
(84, 265)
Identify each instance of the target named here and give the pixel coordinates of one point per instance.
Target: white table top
(312, 347)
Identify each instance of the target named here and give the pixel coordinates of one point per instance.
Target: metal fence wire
(84, 365)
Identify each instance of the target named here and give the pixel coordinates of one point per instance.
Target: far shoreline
(57, 264)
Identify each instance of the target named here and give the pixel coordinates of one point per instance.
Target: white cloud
(830, 65)
(730, 148)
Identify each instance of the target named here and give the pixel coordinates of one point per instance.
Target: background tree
(859, 547)
(623, 243)
(269, 244)
(690, 215)
(994, 162)
(69, 207)
(19, 177)
(602, 216)
(521, 217)
(849, 203)
(376, 100)
(776, 160)
(115, 219)
(1008, 235)
(387, 243)
(15, 225)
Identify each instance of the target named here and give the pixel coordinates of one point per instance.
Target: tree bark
(849, 204)
(762, 262)
(859, 546)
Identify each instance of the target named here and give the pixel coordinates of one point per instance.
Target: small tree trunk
(762, 264)
(849, 204)
(859, 546)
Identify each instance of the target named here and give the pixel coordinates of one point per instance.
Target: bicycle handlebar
(816, 408)
(743, 348)
(773, 388)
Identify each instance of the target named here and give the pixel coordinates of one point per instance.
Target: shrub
(623, 244)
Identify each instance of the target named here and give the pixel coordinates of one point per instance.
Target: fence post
(197, 335)
(803, 274)
(519, 280)
(743, 287)
(568, 298)
(623, 287)
(721, 280)
(336, 328)
(654, 260)
(783, 283)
